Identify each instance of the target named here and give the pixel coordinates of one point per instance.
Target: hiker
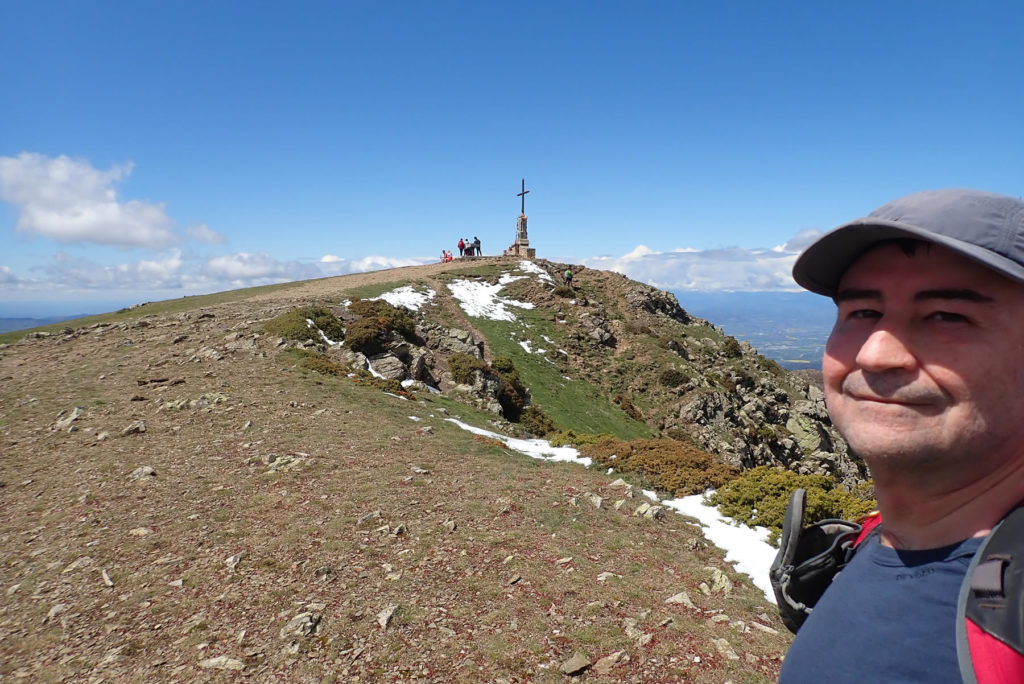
(568, 278)
(476, 246)
(924, 378)
(462, 247)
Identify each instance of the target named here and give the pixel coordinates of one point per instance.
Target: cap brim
(820, 267)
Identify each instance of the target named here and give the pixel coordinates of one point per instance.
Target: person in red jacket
(924, 378)
(462, 247)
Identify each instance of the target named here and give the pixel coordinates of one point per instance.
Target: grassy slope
(573, 404)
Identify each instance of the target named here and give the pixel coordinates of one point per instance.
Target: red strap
(873, 520)
(993, 661)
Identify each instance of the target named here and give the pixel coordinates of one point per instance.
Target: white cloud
(244, 269)
(174, 273)
(335, 265)
(801, 240)
(733, 268)
(70, 201)
(200, 232)
(68, 272)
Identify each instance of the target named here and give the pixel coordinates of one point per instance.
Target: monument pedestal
(521, 246)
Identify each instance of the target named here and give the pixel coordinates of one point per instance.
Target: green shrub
(570, 438)
(378, 318)
(462, 366)
(503, 364)
(672, 377)
(389, 317)
(321, 364)
(293, 324)
(759, 496)
(535, 422)
(675, 467)
(513, 395)
(366, 335)
(565, 291)
(732, 347)
(316, 362)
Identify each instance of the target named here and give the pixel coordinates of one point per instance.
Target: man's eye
(947, 317)
(864, 313)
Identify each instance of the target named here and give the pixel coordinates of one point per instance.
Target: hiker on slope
(924, 377)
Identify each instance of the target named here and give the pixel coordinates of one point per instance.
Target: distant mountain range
(787, 327)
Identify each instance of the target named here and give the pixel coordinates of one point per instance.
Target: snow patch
(311, 324)
(481, 300)
(534, 448)
(408, 297)
(747, 548)
(531, 267)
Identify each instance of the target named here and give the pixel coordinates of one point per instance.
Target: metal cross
(522, 208)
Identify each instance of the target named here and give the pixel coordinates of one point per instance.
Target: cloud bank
(173, 273)
(336, 265)
(727, 269)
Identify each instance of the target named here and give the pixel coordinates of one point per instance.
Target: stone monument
(521, 246)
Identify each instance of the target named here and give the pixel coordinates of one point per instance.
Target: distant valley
(787, 327)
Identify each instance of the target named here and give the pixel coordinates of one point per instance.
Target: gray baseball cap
(982, 226)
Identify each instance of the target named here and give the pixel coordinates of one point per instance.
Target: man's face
(925, 364)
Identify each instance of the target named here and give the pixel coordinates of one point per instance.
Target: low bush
(294, 325)
(378, 319)
(366, 335)
(571, 438)
(565, 291)
(321, 364)
(759, 496)
(675, 467)
(388, 316)
(535, 422)
(462, 366)
(672, 377)
(732, 347)
(513, 395)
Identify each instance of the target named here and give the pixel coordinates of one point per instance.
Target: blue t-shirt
(889, 616)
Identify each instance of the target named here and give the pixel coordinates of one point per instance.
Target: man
(924, 377)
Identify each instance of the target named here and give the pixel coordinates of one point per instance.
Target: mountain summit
(320, 480)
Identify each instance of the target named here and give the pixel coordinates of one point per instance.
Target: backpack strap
(808, 559)
(990, 610)
(868, 525)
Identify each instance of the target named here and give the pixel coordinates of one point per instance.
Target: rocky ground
(180, 502)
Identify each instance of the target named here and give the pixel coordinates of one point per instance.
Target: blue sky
(151, 150)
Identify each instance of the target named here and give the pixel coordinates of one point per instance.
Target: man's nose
(885, 349)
